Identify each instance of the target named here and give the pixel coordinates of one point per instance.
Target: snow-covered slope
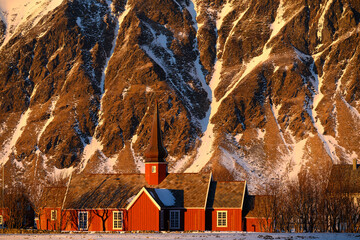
(21, 15)
(250, 90)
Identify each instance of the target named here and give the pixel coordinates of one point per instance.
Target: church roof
(258, 206)
(117, 190)
(53, 197)
(226, 194)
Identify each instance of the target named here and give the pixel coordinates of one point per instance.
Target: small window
(83, 220)
(175, 219)
(117, 219)
(153, 169)
(222, 218)
(53, 214)
(1, 220)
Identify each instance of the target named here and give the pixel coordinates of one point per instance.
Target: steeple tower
(155, 164)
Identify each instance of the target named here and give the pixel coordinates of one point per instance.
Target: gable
(141, 195)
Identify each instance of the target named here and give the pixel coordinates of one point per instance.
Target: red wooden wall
(157, 177)
(45, 222)
(258, 225)
(194, 220)
(69, 220)
(143, 215)
(234, 220)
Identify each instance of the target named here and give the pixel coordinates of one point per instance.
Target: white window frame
(174, 217)
(221, 218)
(81, 227)
(118, 217)
(153, 169)
(53, 215)
(1, 220)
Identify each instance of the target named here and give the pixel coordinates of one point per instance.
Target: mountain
(251, 90)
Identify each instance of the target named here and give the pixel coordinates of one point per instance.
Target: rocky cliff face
(251, 90)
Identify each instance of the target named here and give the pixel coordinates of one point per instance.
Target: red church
(154, 201)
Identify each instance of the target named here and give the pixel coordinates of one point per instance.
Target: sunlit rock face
(251, 90)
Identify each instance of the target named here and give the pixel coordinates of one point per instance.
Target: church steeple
(155, 164)
(156, 151)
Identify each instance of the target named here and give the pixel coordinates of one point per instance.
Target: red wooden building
(154, 201)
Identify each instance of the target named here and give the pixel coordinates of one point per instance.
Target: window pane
(174, 219)
(222, 219)
(118, 218)
(83, 218)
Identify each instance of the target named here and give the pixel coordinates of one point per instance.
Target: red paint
(258, 225)
(45, 222)
(4, 212)
(194, 220)
(70, 219)
(155, 178)
(143, 215)
(234, 220)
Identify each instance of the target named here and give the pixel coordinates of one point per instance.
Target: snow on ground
(202, 235)
(24, 13)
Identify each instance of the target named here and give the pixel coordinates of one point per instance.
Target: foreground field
(205, 236)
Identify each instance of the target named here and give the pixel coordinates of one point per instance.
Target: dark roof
(195, 186)
(258, 206)
(344, 179)
(226, 194)
(156, 151)
(117, 190)
(103, 190)
(53, 197)
(167, 197)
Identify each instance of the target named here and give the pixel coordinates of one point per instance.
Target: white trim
(178, 219)
(67, 190)
(217, 218)
(138, 195)
(121, 213)
(208, 190)
(55, 214)
(243, 198)
(153, 169)
(87, 221)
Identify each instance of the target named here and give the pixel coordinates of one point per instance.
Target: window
(222, 218)
(1, 220)
(53, 214)
(174, 219)
(117, 219)
(153, 169)
(83, 220)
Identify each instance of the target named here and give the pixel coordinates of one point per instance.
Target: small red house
(154, 201)
(259, 214)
